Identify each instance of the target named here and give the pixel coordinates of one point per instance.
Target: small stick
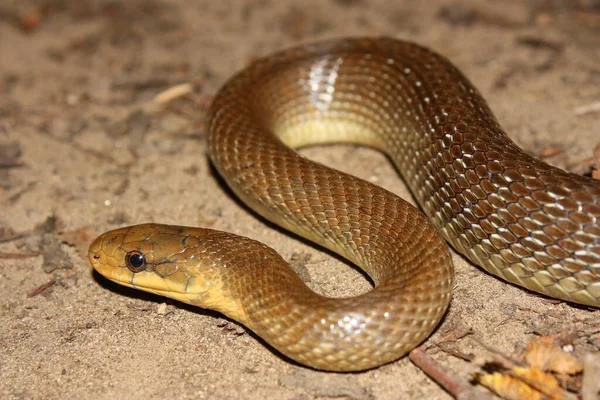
(173, 92)
(587, 108)
(456, 353)
(18, 256)
(455, 386)
(41, 288)
(14, 236)
(10, 164)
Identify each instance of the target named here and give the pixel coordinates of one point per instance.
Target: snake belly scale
(513, 215)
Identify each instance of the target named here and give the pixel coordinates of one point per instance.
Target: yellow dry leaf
(508, 387)
(523, 383)
(545, 354)
(539, 380)
(564, 363)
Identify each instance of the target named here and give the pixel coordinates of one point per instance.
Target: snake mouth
(142, 280)
(112, 273)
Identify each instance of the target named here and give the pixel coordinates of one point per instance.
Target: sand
(85, 149)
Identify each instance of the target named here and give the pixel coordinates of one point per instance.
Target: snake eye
(136, 262)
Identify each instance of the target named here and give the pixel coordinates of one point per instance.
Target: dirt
(84, 148)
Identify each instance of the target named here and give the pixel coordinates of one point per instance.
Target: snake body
(515, 216)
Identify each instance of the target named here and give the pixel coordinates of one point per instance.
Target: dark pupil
(136, 260)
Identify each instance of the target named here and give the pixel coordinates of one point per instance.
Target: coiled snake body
(515, 216)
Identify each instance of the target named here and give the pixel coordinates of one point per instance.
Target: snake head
(172, 261)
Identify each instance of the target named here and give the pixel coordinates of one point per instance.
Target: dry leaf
(549, 151)
(30, 18)
(539, 380)
(508, 387)
(545, 354)
(597, 151)
(523, 383)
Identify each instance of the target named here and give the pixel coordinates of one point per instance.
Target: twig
(587, 108)
(10, 164)
(14, 236)
(41, 288)
(455, 386)
(456, 353)
(509, 361)
(173, 92)
(18, 256)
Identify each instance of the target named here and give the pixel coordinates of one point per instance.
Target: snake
(513, 215)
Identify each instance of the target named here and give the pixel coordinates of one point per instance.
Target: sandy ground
(84, 149)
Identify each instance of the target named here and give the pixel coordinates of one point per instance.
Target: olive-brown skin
(515, 216)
